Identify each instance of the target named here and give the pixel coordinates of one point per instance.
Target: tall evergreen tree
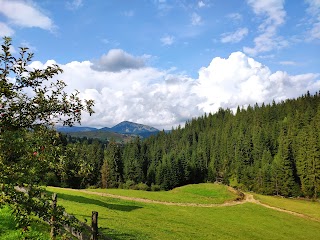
(111, 171)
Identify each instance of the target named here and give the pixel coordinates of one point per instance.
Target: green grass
(121, 219)
(8, 231)
(309, 208)
(205, 193)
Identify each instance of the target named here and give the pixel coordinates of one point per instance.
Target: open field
(205, 193)
(123, 219)
(306, 207)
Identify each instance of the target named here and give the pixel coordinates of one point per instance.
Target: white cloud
(314, 6)
(240, 80)
(5, 30)
(201, 4)
(167, 40)
(314, 11)
(164, 99)
(74, 4)
(315, 31)
(234, 37)
(24, 14)
(274, 13)
(117, 60)
(163, 7)
(288, 63)
(196, 19)
(147, 95)
(235, 16)
(29, 46)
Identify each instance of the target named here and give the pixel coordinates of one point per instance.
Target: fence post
(53, 218)
(94, 225)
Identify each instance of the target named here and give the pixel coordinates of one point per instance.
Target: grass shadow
(85, 200)
(116, 235)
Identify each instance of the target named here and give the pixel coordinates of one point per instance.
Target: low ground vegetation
(157, 221)
(8, 230)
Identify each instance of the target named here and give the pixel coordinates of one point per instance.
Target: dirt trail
(248, 198)
(143, 200)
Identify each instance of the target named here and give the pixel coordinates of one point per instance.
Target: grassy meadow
(306, 207)
(123, 219)
(205, 193)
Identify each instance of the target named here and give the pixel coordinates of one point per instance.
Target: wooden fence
(85, 232)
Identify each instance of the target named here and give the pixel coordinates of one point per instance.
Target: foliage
(31, 102)
(269, 149)
(111, 169)
(8, 231)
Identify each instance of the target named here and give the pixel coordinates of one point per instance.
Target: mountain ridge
(123, 128)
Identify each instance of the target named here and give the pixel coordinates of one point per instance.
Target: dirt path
(143, 200)
(248, 198)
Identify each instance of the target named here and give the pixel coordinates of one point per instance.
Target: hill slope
(157, 221)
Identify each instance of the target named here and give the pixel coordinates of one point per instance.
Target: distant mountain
(105, 129)
(127, 127)
(66, 129)
(122, 132)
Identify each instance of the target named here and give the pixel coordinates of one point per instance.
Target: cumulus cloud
(147, 95)
(240, 80)
(5, 30)
(24, 14)
(274, 16)
(234, 37)
(167, 40)
(164, 99)
(116, 60)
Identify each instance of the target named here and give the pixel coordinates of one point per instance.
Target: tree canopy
(32, 101)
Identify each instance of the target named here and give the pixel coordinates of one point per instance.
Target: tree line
(270, 149)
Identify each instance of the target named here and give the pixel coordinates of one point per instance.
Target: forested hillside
(272, 149)
(269, 149)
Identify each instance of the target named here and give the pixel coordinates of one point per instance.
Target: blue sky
(161, 62)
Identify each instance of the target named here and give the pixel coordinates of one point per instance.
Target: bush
(142, 186)
(120, 186)
(129, 184)
(51, 179)
(155, 187)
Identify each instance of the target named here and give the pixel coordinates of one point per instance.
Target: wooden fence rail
(86, 232)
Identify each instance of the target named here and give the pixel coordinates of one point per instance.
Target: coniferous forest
(271, 149)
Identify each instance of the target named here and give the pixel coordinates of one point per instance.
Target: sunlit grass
(204, 193)
(121, 219)
(306, 207)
